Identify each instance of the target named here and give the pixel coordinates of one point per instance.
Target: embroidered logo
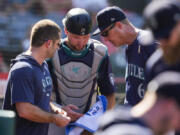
(76, 69)
(112, 19)
(46, 82)
(83, 31)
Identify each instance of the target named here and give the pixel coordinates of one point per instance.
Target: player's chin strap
(89, 121)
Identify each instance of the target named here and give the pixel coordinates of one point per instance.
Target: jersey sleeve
(22, 85)
(151, 48)
(105, 77)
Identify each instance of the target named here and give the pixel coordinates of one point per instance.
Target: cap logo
(112, 19)
(83, 31)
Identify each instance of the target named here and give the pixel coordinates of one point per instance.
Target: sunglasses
(105, 33)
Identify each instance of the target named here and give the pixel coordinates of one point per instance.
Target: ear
(119, 25)
(65, 30)
(48, 43)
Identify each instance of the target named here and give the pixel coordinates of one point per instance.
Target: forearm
(111, 101)
(34, 113)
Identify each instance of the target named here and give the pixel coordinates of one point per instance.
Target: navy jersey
(137, 55)
(120, 122)
(156, 65)
(28, 82)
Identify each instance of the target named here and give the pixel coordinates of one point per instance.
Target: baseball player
(80, 67)
(29, 84)
(116, 28)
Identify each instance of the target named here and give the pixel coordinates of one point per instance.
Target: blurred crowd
(17, 17)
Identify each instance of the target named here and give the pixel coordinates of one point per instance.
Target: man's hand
(56, 108)
(72, 114)
(61, 120)
(36, 114)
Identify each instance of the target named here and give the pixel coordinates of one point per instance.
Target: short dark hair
(44, 30)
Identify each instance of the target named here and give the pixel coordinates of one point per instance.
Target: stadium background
(18, 16)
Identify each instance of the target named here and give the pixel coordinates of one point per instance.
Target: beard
(171, 53)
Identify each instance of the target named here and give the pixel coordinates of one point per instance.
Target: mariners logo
(83, 31)
(46, 82)
(76, 71)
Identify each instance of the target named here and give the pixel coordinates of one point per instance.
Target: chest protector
(76, 80)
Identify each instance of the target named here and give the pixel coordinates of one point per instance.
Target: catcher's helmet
(78, 21)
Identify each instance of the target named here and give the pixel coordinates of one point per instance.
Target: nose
(80, 43)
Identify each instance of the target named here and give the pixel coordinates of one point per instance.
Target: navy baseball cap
(166, 84)
(108, 16)
(161, 16)
(78, 21)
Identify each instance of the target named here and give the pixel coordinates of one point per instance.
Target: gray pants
(55, 130)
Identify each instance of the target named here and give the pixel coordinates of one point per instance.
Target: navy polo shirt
(28, 82)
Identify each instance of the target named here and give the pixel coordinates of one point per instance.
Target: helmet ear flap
(78, 21)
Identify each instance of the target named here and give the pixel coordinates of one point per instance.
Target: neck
(36, 54)
(131, 34)
(69, 44)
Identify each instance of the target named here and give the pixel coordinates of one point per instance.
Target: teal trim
(102, 60)
(76, 54)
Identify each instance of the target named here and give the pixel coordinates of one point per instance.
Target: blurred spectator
(90, 5)
(37, 8)
(3, 5)
(26, 40)
(58, 5)
(3, 66)
(18, 5)
(3, 77)
(18, 1)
